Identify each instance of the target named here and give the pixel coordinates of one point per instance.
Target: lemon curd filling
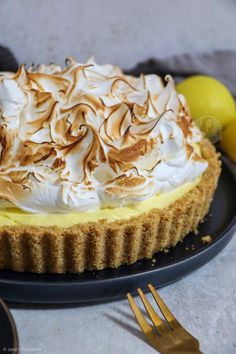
(14, 216)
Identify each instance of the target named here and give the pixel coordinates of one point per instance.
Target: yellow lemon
(228, 142)
(208, 97)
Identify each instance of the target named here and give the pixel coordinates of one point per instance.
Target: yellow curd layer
(15, 216)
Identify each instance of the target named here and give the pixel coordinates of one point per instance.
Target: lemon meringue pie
(97, 168)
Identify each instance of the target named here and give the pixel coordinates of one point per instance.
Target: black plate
(164, 268)
(8, 334)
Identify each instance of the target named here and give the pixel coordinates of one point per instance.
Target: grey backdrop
(117, 31)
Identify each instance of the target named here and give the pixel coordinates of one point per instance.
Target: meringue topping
(87, 136)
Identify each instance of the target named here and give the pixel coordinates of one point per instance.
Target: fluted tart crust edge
(102, 244)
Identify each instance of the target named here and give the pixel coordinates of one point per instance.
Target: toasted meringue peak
(87, 136)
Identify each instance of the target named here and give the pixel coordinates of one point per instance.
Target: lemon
(211, 127)
(228, 142)
(208, 97)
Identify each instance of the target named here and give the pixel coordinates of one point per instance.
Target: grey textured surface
(116, 31)
(205, 303)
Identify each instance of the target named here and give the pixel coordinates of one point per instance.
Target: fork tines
(166, 335)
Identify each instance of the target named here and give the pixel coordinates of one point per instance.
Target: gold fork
(167, 336)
